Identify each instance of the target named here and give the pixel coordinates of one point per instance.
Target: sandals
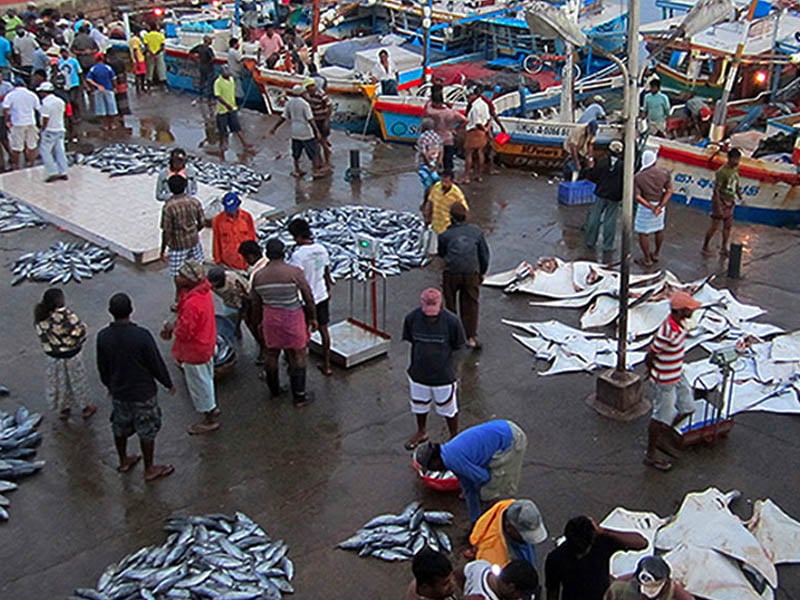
(131, 462)
(415, 441)
(161, 472)
(661, 465)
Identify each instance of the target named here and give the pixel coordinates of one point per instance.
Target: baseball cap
(599, 99)
(297, 90)
(309, 82)
(681, 299)
(524, 516)
(231, 201)
(45, 86)
(616, 146)
(431, 302)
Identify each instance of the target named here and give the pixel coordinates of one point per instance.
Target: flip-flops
(129, 464)
(413, 443)
(164, 471)
(661, 465)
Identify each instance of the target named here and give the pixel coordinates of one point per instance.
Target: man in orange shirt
(506, 532)
(231, 227)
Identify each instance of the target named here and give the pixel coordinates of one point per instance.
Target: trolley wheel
(533, 64)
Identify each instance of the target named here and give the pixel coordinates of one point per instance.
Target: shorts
(324, 312)
(656, 127)
(324, 127)
(670, 400)
(142, 418)
(443, 397)
(228, 123)
(178, 257)
(105, 104)
(23, 137)
(722, 210)
(310, 146)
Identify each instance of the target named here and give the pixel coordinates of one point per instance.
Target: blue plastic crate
(571, 193)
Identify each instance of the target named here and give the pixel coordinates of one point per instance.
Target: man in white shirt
(24, 45)
(52, 151)
(478, 127)
(385, 72)
(485, 581)
(305, 136)
(315, 261)
(19, 107)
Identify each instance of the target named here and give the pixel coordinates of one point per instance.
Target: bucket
(502, 138)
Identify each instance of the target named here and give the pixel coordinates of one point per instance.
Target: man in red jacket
(195, 334)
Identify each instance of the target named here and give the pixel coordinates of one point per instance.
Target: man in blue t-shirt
(71, 69)
(5, 54)
(656, 108)
(101, 77)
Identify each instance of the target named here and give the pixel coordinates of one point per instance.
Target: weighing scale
(354, 341)
(716, 419)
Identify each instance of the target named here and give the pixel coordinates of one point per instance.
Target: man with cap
(607, 176)
(579, 146)
(102, 78)
(435, 334)
(130, 364)
(195, 331)
(506, 532)
(231, 227)
(322, 109)
(595, 111)
(227, 110)
(699, 112)
(486, 458)
(182, 219)
(51, 148)
(652, 580)
(286, 322)
(204, 55)
(19, 107)
(305, 136)
(466, 260)
(652, 189)
(518, 580)
(671, 394)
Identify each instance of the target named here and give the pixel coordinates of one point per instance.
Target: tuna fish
(62, 263)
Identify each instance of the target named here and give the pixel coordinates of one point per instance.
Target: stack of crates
(571, 193)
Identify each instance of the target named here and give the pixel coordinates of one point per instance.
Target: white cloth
(478, 115)
(381, 74)
(52, 107)
(22, 104)
(476, 580)
(298, 112)
(313, 258)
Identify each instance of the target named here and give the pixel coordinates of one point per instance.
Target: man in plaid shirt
(182, 219)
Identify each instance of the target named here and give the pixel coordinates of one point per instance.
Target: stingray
(778, 533)
(786, 348)
(643, 523)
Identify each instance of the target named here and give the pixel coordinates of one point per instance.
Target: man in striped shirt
(671, 394)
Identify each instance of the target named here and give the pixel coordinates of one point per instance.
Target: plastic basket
(438, 484)
(502, 138)
(572, 193)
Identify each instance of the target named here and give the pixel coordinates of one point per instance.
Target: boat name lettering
(539, 129)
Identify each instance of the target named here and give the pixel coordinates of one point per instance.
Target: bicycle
(536, 63)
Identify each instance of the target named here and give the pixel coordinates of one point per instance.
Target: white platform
(351, 344)
(118, 213)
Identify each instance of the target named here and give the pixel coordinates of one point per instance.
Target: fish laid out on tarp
(62, 263)
(211, 556)
(14, 215)
(18, 441)
(399, 537)
(343, 230)
(645, 524)
(777, 532)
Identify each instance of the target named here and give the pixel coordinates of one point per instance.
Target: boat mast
(314, 30)
(721, 112)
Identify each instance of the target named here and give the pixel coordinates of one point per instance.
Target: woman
(177, 166)
(62, 335)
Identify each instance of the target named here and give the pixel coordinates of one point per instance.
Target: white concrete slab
(119, 213)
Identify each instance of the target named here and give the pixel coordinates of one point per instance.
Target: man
(252, 255)
(270, 46)
(250, 251)
(607, 177)
(321, 109)
(101, 77)
(138, 61)
(466, 260)
(6, 54)
(178, 164)
(227, 110)
(434, 335)
(723, 201)
(84, 48)
(578, 569)
(478, 127)
(651, 581)
(24, 45)
(41, 61)
(595, 111)
(672, 395)
(489, 155)
(154, 42)
(385, 73)
(54, 155)
(433, 577)
(441, 196)
(315, 261)
(305, 136)
(231, 287)
(286, 322)
(182, 219)
(236, 67)
(517, 581)
(11, 21)
(652, 188)
(430, 152)
(296, 49)
(486, 458)
(508, 531)
(230, 228)
(5, 88)
(204, 55)
(656, 109)
(71, 69)
(130, 364)
(699, 112)
(20, 106)
(195, 331)
(445, 119)
(579, 145)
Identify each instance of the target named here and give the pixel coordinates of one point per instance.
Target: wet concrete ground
(313, 476)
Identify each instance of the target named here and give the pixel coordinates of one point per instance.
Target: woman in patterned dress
(62, 335)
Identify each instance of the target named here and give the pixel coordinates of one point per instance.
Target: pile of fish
(18, 441)
(14, 215)
(211, 556)
(62, 263)
(343, 231)
(133, 159)
(399, 537)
